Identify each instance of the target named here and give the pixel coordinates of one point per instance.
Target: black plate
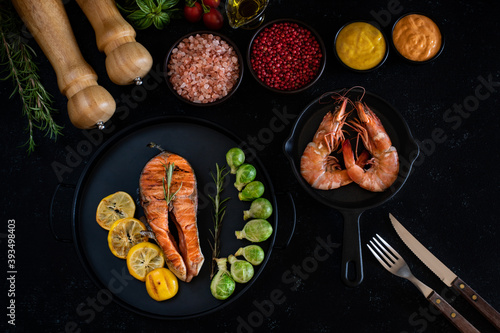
(352, 200)
(117, 166)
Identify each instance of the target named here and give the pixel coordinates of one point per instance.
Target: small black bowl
(362, 70)
(413, 61)
(220, 100)
(318, 39)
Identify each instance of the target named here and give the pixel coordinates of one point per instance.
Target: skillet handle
(55, 205)
(352, 260)
(294, 221)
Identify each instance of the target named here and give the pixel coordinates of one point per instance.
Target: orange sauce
(417, 37)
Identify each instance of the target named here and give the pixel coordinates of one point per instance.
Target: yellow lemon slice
(143, 258)
(116, 206)
(124, 234)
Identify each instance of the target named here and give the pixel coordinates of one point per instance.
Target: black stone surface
(449, 201)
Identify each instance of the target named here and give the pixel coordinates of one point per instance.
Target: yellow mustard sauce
(360, 46)
(416, 37)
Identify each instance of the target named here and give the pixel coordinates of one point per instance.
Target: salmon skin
(185, 258)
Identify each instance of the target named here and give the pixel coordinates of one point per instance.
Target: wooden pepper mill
(127, 61)
(89, 104)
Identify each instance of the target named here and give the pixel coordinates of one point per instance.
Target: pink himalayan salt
(203, 68)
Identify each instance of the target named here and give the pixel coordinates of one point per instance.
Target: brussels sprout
(222, 285)
(234, 158)
(245, 174)
(260, 208)
(241, 270)
(257, 230)
(254, 254)
(252, 190)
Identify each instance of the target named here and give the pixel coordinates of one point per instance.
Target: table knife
(445, 274)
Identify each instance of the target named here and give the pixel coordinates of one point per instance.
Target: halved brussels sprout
(245, 174)
(222, 285)
(234, 158)
(260, 208)
(254, 254)
(257, 230)
(252, 191)
(241, 270)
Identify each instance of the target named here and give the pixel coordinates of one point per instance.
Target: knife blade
(445, 274)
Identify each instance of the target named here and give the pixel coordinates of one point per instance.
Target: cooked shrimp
(384, 164)
(321, 170)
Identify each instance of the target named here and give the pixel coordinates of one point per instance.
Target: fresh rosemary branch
(17, 57)
(219, 211)
(169, 169)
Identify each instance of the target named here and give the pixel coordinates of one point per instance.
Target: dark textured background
(449, 202)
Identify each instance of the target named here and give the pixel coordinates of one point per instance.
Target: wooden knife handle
(478, 302)
(451, 314)
(88, 103)
(127, 61)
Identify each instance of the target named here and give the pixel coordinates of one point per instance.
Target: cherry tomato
(193, 13)
(213, 19)
(212, 3)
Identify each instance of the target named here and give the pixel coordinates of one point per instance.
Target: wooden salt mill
(89, 104)
(127, 61)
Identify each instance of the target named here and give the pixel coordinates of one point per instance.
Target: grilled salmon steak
(185, 258)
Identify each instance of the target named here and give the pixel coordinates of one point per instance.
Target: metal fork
(394, 263)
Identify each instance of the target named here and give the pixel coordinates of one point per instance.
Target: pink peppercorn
(286, 56)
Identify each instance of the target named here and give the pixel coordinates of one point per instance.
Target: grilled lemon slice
(124, 234)
(116, 206)
(143, 258)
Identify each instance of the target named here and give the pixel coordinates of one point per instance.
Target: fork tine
(392, 256)
(380, 260)
(381, 252)
(387, 244)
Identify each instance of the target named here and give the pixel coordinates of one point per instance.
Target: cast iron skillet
(352, 200)
(117, 166)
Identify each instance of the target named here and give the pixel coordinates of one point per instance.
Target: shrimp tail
(355, 171)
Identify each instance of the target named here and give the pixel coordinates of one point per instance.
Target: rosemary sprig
(219, 211)
(17, 57)
(169, 170)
